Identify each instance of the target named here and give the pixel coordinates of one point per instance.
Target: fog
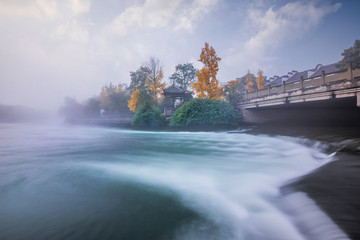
(53, 49)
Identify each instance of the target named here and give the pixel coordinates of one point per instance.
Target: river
(76, 182)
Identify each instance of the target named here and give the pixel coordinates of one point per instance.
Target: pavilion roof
(173, 90)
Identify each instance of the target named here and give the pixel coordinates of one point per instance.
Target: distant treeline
(14, 114)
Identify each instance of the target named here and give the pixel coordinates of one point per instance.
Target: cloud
(37, 9)
(270, 28)
(48, 7)
(80, 6)
(74, 30)
(288, 22)
(157, 14)
(193, 13)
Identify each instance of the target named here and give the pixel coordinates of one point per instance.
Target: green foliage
(184, 75)
(147, 115)
(139, 78)
(350, 55)
(205, 113)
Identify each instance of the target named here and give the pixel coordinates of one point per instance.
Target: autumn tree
(155, 79)
(260, 81)
(184, 75)
(141, 96)
(133, 101)
(207, 85)
(249, 83)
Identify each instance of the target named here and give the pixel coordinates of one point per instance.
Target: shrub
(205, 113)
(147, 115)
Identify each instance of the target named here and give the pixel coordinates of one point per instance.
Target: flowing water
(65, 182)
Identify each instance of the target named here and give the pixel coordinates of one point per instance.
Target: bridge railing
(303, 84)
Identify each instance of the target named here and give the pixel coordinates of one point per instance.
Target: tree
(155, 78)
(147, 115)
(139, 78)
(205, 113)
(184, 75)
(92, 107)
(232, 92)
(207, 85)
(114, 99)
(249, 84)
(71, 110)
(350, 56)
(260, 81)
(140, 96)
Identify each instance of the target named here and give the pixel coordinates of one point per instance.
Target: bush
(205, 113)
(147, 115)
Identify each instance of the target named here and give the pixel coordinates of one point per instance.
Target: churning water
(63, 182)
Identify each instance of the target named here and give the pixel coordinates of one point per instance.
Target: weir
(329, 99)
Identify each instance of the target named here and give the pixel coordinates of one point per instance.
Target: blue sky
(51, 48)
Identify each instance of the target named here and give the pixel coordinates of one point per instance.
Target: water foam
(233, 183)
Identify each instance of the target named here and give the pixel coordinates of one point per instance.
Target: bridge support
(358, 99)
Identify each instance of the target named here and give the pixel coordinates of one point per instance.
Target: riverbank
(335, 187)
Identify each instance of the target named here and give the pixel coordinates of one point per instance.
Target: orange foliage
(260, 80)
(248, 82)
(207, 85)
(132, 103)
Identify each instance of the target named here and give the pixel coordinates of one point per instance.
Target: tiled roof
(328, 69)
(173, 89)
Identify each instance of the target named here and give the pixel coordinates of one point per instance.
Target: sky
(50, 49)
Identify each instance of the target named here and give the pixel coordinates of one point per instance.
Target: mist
(56, 49)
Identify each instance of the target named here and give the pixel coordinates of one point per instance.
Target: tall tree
(155, 78)
(184, 75)
(350, 56)
(260, 81)
(114, 99)
(139, 97)
(207, 85)
(249, 84)
(139, 78)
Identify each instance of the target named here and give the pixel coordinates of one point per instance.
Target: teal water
(66, 182)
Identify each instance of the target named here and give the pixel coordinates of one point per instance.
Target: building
(174, 98)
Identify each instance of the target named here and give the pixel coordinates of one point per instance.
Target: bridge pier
(358, 99)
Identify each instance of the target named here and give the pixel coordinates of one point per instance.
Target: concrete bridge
(329, 99)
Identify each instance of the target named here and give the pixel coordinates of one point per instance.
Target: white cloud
(194, 12)
(74, 30)
(158, 14)
(48, 7)
(273, 27)
(37, 9)
(80, 6)
(288, 22)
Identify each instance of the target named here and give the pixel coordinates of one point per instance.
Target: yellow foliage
(260, 80)
(207, 85)
(248, 82)
(155, 84)
(132, 103)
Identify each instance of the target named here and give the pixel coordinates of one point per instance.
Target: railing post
(350, 75)
(283, 86)
(269, 89)
(302, 83)
(323, 77)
